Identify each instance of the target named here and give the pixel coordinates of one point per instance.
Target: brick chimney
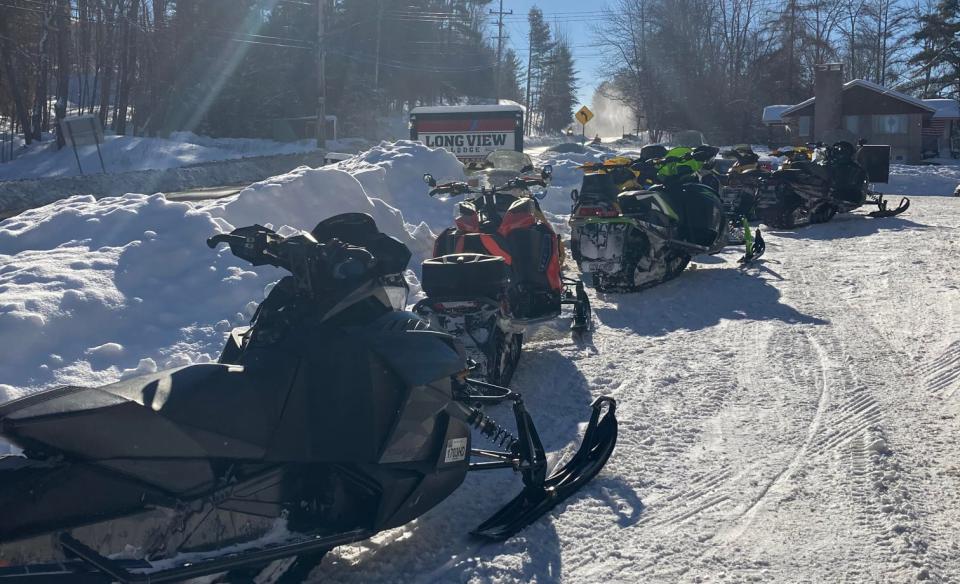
(828, 87)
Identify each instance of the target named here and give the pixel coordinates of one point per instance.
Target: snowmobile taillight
(457, 305)
(597, 212)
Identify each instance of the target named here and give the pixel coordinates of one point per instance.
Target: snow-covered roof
(772, 114)
(944, 108)
(450, 109)
(866, 85)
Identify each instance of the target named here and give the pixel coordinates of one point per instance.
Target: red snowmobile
(497, 271)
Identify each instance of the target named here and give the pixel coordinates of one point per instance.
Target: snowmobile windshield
(494, 178)
(500, 167)
(676, 163)
(509, 160)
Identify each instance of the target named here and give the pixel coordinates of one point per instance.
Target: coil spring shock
(492, 430)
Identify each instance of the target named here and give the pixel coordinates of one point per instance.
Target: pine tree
(559, 89)
(510, 77)
(538, 62)
(939, 57)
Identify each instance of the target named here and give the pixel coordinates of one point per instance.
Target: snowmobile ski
(755, 246)
(581, 305)
(883, 211)
(92, 567)
(540, 496)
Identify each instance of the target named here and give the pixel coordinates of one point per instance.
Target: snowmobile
(334, 416)
(499, 270)
(630, 174)
(636, 239)
(813, 191)
(737, 188)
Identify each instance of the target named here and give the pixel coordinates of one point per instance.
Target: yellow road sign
(584, 115)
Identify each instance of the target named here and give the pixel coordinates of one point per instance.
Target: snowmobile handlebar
(461, 188)
(451, 188)
(314, 265)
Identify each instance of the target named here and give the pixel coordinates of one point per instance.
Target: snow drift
(91, 291)
(394, 172)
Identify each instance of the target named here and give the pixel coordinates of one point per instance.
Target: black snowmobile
(334, 416)
(736, 177)
(813, 191)
(636, 239)
(497, 272)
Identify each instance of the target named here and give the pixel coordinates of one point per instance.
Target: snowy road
(796, 423)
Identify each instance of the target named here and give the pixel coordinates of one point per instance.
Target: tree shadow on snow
(698, 299)
(849, 226)
(437, 546)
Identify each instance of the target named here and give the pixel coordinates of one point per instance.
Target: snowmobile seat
(465, 274)
(536, 285)
(634, 202)
(173, 413)
(598, 188)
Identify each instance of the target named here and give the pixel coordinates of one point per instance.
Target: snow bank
(90, 289)
(306, 196)
(914, 180)
(394, 172)
(126, 153)
(93, 290)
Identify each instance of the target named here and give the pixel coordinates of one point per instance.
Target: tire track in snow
(778, 484)
(881, 489)
(942, 374)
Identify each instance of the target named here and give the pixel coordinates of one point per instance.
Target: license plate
(456, 450)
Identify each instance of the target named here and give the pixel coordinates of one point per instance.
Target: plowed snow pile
(389, 170)
(94, 290)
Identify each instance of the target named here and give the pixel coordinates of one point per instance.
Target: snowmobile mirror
(428, 178)
(547, 171)
(575, 195)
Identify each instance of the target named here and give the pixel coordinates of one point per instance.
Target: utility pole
(321, 78)
(526, 117)
(500, 14)
(376, 67)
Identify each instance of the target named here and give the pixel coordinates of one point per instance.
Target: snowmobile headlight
(397, 296)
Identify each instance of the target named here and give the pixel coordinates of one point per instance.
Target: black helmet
(651, 151)
(843, 150)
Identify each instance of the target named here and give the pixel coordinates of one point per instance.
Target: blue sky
(567, 15)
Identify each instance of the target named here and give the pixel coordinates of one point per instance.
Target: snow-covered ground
(795, 422)
(126, 153)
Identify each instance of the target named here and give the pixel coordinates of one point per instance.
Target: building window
(804, 125)
(852, 124)
(890, 124)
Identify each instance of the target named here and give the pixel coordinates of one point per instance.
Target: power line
(500, 14)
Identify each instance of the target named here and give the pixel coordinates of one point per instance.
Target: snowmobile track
(943, 373)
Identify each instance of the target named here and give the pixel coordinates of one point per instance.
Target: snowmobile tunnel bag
(875, 160)
(536, 272)
(598, 187)
(461, 274)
